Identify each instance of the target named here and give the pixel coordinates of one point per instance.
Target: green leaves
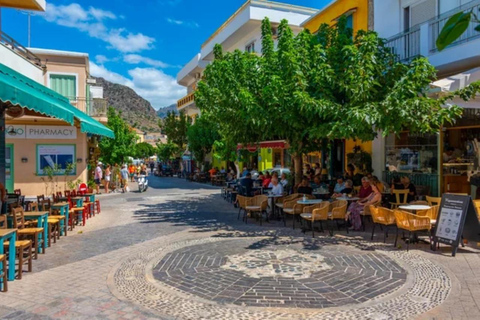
(201, 137)
(175, 127)
(453, 29)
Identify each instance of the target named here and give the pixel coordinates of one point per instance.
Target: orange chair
(411, 223)
(383, 217)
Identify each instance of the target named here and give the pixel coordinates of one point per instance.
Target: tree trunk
(298, 162)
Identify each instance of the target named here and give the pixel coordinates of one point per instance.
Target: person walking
(98, 176)
(132, 170)
(152, 167)
(108, 177)
(124, 174)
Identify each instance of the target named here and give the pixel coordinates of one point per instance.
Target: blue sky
(142, 44)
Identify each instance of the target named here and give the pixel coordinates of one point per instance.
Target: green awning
(17, 89)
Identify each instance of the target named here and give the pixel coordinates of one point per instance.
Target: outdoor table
(63, 198)
(42, 222)
(63, 207)
(11, 236)
(348, 198)
(414, 207)
(78, 201)
(310, 201)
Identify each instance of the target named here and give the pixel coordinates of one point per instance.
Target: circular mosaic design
(285, 263)
(161, 279)
(286, 276)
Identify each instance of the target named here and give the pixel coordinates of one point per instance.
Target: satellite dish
(15, 111)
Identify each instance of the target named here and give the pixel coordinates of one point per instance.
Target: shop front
(265, 155)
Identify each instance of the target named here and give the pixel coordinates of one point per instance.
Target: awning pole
(2, 146)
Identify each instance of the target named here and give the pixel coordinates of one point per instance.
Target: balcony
(420, 40)
(186, 101)
(96, 108)
(16, 47)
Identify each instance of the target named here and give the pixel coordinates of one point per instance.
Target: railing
(19, 49)
(437, 25)
(188, 99)
(92, 107)
(406, 45)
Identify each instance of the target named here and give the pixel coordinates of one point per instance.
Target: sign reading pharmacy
(40, 132)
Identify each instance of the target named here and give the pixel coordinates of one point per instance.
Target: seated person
(348, 189)
(365, 189)
(317, 182)
(355, 209)
(277, 188)
(304, 187)
(408, 185)
(378, 183)
(247, 184)
(212, 172)
(283, 180)
(267, 180)
(339, 186)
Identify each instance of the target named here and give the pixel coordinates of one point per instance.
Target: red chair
(17, 192)
(73, 193)
(67, 194)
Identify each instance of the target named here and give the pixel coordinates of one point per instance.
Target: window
(54, 156)
(350, 21)
(250, 48)
(66, 85)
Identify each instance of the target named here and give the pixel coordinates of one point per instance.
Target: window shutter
(423, 11)
(64, 85)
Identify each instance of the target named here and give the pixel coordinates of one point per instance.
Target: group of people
(268, 180)
(110, 176)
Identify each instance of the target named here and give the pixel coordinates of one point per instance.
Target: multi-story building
(45, 102)
(242, 31)
(440, 162)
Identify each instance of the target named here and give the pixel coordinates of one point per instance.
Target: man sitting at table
(277, 188)
(247, 184)
(304, 187)
(347, 189)
(339, 186)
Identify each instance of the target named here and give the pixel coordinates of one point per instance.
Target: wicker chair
(433, 201)
(338, 211)
(411, 223)
(280, 202)
(432, 213)
(241, 201)
(367, 214)
(293, 208)
(383, 217)
(255, 205)
(318, 214)
(400, 198)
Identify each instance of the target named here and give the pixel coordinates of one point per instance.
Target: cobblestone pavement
(179, 252)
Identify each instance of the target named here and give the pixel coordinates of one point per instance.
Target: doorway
(9, 172)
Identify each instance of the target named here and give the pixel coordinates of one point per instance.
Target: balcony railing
(11, 43)
(406, 45)
(437, 25)
(92, 107)
(188, 99)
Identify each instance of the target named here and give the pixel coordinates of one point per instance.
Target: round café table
(310, 201)
(414, 207)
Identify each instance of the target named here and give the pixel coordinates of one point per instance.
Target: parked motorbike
(142, 183)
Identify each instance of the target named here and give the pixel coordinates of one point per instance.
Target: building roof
(59, 53)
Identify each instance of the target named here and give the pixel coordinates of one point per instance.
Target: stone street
(178, 251)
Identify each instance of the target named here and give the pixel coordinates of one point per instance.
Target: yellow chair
(318, 214)
(366, 213)
(241, 201)
(293, 208)
(433, 201)
(338, 211)
(432, 213)
(400, 198)
(255, 205)
(411, 223)
(476, 204)
(383, 217)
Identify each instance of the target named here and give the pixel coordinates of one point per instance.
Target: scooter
(142, 183)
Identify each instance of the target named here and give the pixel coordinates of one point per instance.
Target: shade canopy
(17, 89)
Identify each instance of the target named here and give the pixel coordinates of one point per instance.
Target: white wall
(20, 64)
(96, 92)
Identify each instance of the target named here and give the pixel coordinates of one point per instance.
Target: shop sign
(41, 132)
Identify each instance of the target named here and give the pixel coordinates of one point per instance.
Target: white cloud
(92, 21)
(136, 59)
(101, 59)
(190, 24)
(152, 84)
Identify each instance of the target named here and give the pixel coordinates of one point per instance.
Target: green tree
(123, 145)
(201, 137)
(144, 150)
(167, 151)
(318, 87)
(176, 127)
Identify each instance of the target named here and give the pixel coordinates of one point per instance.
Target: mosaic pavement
(236, 278)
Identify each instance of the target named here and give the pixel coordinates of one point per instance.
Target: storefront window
(58, 156)
(412, 153)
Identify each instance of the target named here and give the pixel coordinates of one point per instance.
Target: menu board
(450, 229)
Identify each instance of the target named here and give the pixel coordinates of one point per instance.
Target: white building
(241, 31)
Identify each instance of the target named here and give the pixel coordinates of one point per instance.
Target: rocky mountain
(162, 112)
(136, 111)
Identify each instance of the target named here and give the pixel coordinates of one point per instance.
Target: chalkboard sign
(457, 219)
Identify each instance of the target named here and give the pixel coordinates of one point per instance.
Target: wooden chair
(256, 205)
(3, 273)
(31, 233)
(77, 213)
(400, 198)
(293, 208)
(23, 249)
(433, 201)
(53, 221)
(318, 214)
(411, 223)
(241, 202)
(338, 211)
(67, 194)
(383, 217)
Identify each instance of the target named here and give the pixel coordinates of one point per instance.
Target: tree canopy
(123, 145)
(144, 150)
(167, 151)
(175, 127)
(317, 87)
(201, 137)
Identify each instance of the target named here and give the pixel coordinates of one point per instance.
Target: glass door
(9, 167)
